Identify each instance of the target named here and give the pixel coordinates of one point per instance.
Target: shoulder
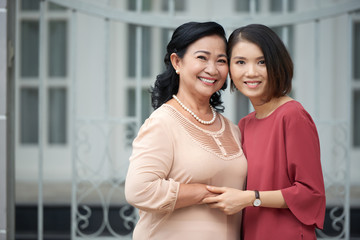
(159, 127)
(159, 120)
(164, 114)
(293, 110)
(248, 117)
(243, 121)
(294, 116)
(161, 112)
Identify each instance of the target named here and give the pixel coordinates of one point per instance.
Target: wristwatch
(257, 201)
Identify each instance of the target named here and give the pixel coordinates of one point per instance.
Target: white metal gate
(101, 135)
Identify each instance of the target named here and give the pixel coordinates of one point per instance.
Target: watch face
(257, 202)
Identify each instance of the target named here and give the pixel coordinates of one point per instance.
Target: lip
(207, 81)
(252, 84)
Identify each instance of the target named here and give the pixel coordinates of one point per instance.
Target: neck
(198, 105)
(194, 115)
(264, 110)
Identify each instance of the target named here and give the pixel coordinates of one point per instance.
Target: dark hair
(277, 59)
(167, 83)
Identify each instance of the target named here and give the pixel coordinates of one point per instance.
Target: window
(245, 5)
(146, 51)
(57, 115)
(287, 36)
(356, 72)
(146, 43)
(278, 5)
(57, 48)
(165, 39)
(179, 5)
(286, 33)
(145, 103)
(29, 48)
(146, 5)
(148, 57)
(56, 72)
(29, 111)
(31, 5)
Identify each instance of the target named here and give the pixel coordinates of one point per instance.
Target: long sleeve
(171, 150)
(147, 186)
(306, 197)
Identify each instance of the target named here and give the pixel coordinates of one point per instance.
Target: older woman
(187, 144)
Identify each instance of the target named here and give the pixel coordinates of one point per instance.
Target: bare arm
(272, 199)
(231, 200)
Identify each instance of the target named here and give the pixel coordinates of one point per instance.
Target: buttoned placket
(218, 142)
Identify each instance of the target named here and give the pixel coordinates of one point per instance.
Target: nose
(251, 71)
(211, 68)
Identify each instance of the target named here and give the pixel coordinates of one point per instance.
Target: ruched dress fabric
(283, 153)
(170, 150)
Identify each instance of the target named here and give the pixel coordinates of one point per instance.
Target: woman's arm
(192, 194)
(231, 200)
(272, 199)
(147, 185)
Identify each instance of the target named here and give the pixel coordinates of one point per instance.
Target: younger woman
(285, 196)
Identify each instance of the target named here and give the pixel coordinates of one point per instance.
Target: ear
(175, 61)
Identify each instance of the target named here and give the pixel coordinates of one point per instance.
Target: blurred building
(74, 81)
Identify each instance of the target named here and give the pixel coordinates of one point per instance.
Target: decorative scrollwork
(83, 219)
(336, 180)
(130, 216)
(101, 208)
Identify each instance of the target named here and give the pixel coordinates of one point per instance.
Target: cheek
(265, 74)
(236, 73)
(224, 71)
(236, 78)
(237, 83)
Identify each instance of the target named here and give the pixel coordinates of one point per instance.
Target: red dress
(283, 153)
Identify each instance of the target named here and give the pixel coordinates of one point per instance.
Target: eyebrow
(208, 53)
(240, 57)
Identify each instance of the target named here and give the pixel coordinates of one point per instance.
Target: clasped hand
(229, 200)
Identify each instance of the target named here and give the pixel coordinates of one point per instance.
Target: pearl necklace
(194, 115)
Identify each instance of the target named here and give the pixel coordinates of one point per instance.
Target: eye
(262, 62)
(201, 57)
(222, 60)
(241, 62)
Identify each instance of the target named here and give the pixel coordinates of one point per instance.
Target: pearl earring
(177, 71)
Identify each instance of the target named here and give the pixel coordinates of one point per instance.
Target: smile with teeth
(252, 83)
(206, 80)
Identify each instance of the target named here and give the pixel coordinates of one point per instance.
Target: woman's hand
(229, 200)
(192, 194)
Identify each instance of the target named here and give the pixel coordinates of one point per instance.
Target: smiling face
(248, 71)
(203, 69)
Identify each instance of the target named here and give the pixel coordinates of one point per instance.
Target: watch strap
(257, 195)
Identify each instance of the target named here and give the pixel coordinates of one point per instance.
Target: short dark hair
(277, 59)
(167, 83)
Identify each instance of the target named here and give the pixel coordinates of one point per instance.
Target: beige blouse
(170, 150)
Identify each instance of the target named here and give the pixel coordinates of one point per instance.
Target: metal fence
(101, 143)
